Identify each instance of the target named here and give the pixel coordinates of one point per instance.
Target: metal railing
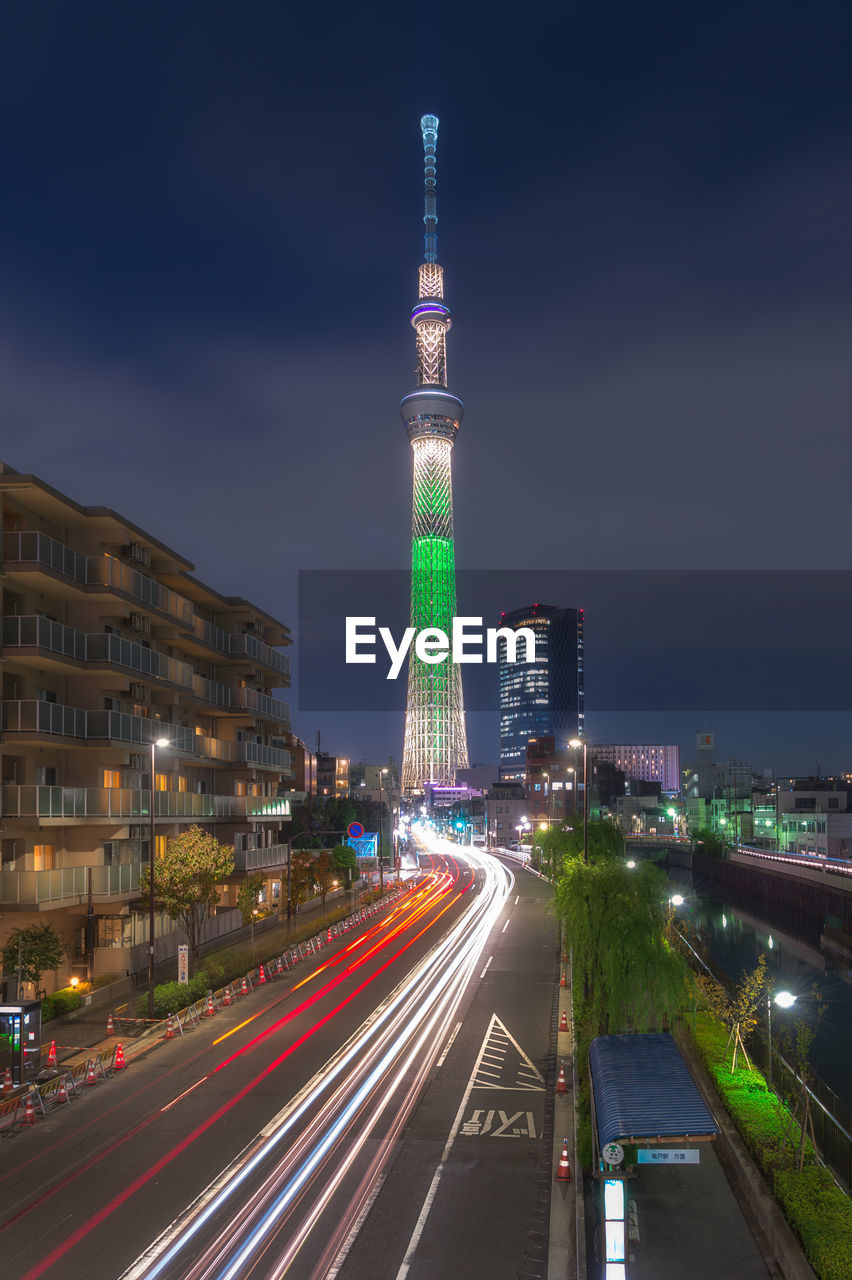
(25, 887)
(37, 716)
(274, 855)
(262, 704)
(29, 801)
(266, 757)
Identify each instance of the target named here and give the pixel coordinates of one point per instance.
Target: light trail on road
(256, 1217)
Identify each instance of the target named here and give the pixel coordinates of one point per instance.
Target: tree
(709, 842)
(739, 1012)
(185, 879)
(323, 874)
(301, 875)
(344, 862)
(248, 896)
(41, 950)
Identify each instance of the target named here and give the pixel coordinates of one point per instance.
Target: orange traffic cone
(261, 976)
(62, 1092)
(563, 1172)
(244, 988)
(563, 1022)
(170, 1029)
(91, 1078)
(110, 1026)
(209, 1012)
(118, 1062)
(8, 1085)
(51, 1054)
(562, 980)
(561, 1083)
(226, 998)
(29, 1110)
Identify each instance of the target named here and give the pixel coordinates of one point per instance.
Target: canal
(738, 928)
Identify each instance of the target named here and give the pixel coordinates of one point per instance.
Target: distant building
(332, 775)
(646, 762)
(544, 697)
(505, 810)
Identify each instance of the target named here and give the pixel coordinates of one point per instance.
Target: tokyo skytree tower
(435, 736)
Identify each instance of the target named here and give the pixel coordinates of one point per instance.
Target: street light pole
(155, 742)
(784, 999)
(381, 835)
(576, 743)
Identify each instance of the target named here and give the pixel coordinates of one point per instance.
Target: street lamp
(576, 743)
(382, 772)
(155, 742)
(784, 1000)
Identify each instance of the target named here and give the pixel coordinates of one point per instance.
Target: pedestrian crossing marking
(502, 1063)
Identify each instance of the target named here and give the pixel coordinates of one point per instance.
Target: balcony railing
(35, 716)
(262, 704)
(263, 756)
(242, 642)
(43, 633)
(32, 887)
(32, 547)
(34, 801)
(266, 806)
(274, 855)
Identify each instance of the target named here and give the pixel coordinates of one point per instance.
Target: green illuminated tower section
(435, 735)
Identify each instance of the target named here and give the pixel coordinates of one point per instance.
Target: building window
(240, 788)
(181, 782)
(161, 782)
(160, 843)
(42, 857)
(112, 778)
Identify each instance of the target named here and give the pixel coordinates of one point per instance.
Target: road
(258, 1145)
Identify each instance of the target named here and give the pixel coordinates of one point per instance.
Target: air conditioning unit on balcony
(139, 692)
(140, 622)
(137, 760)
(137, 553)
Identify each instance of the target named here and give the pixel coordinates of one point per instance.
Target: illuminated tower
(435, 737)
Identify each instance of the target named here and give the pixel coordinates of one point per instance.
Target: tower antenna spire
(429, 129)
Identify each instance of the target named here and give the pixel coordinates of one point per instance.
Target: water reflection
(738, 928)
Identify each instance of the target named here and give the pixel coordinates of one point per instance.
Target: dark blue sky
(209, 234)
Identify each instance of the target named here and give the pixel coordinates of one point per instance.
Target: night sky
(209, 234)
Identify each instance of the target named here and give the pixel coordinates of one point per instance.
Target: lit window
(160, 843)
(182, 782)
(42, 857)
(162, 782)
(112, 778)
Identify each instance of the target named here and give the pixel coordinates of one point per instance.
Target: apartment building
(109, 643)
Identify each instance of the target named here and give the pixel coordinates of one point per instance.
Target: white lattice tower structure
(435, 736)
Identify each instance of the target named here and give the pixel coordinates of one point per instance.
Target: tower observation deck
(435, 736)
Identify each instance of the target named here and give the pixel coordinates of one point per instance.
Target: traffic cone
(8, 1084)
(562, 981)
(170, 1029)
(118, 1062)
(91, 1078)
(563, 1022)
(51, 1054)
(561, 1083)
(244, 988)
(261, 976)
(110, 1026)
(226, 998)
(280, 966)
(209, 1012)
(563, 1172)
(62, 1092)
(29, 1110)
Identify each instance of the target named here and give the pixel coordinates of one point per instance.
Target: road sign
(183, 964)
(613, 1153)
(669, 1155)
(355, 830)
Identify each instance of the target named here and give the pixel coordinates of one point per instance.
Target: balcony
(107, 804)
(261, 704)
(264, 757)
(38, 717)
(274, 855)
(32, 548)
(265, 806)
(43, 633)
(242, 642)
(34, 888)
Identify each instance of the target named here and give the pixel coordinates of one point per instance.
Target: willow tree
(625, 975)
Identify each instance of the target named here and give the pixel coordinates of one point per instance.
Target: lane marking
(485, 970)
(518, 1069)
(505, 927)
(448, 1046)
(517, 898)
(183, 1095)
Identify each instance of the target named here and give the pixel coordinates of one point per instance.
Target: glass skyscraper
(544, 696)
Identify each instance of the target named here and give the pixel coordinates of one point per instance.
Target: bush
(812, 1203)
(63, 1001)
(170, 997)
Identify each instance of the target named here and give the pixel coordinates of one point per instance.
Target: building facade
(644, 762)
(109, 643)
(543, 697)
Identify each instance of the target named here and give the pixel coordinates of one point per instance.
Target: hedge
(816, 1208)
(62, 1001)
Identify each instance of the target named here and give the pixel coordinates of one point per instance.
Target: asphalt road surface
(369, 1095)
